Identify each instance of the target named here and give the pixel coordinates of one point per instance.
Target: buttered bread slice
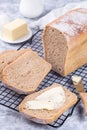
(48, 104)
(9, 56)
(26, 73)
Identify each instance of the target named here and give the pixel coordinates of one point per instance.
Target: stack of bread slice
(23, 70)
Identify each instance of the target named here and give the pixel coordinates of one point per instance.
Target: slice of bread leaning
(44, 116)
(83, 96)
(9, 56)
(26, 73)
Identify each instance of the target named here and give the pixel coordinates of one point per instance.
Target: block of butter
(15, 29)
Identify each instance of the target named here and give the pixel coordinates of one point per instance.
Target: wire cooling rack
(11, 99)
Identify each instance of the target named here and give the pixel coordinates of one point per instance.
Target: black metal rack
(11, 99)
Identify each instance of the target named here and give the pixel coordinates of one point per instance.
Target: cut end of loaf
(55, 49)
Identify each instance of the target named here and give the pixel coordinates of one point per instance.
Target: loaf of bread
(44, 116)
(65, 41)
(9, 56)
(26, 73)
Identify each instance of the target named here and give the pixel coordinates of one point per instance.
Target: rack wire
(11, 99)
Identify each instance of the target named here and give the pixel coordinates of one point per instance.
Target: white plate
(20, 40)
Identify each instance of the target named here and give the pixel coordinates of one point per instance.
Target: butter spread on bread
(39, 104)
(65, 41)
(51, 99)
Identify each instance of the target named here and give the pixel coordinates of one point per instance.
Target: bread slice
(84, 100)
(9, 56)
(47, 116)
(26, 73)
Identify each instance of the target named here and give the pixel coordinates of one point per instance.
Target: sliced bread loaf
(65, 41)
(9, 56)
(44, 116)
(26, 73)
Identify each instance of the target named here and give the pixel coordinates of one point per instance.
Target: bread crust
(46, 116)
(73, 27)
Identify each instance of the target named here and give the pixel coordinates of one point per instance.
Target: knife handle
(77, 81)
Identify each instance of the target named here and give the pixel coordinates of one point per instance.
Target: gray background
(10, 120)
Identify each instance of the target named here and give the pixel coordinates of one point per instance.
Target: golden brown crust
(44, 45)
(76, 58)
(76, 10)
(73, 28)
(77, 28)
(46, 116)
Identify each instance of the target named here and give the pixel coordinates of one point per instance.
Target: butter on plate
(15, 29)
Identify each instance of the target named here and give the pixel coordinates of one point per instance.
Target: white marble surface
(10, 120)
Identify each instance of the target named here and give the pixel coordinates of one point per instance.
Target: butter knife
(77, 82)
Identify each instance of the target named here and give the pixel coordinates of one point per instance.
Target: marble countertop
(11, 120)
